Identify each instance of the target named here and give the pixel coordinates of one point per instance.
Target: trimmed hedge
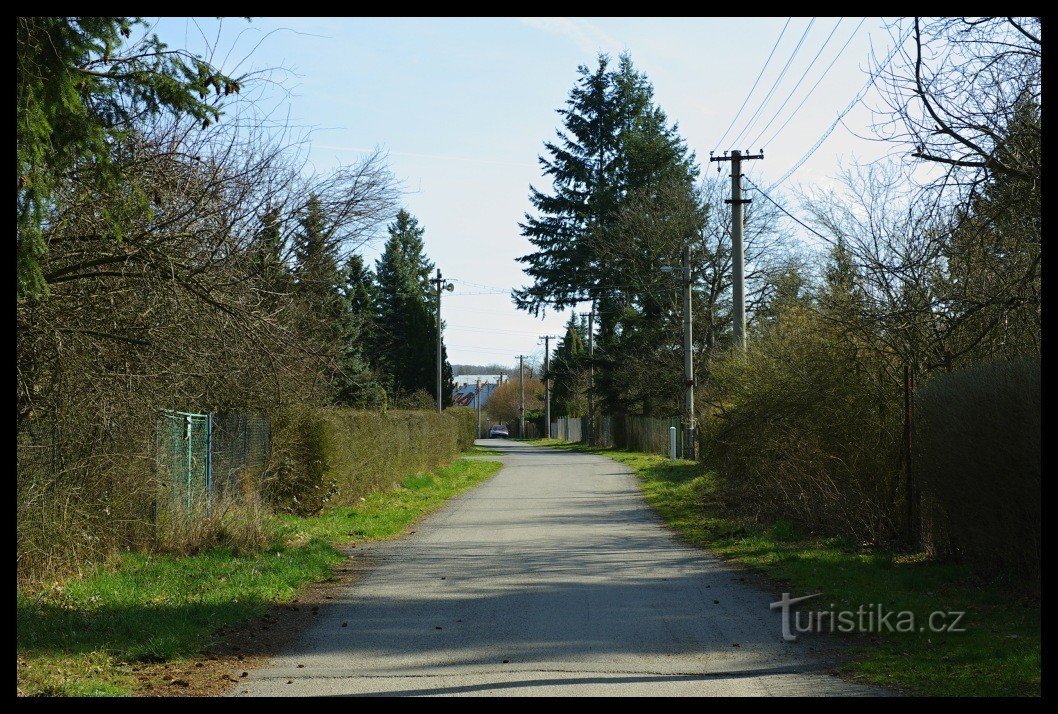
(976, 456)
(338, 455)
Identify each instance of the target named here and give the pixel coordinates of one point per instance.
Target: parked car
(499, 432)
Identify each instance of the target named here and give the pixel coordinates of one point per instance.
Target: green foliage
(569, 372)
(614, 141)
(976, 454)
(358, 382)
(268, 252)
(405, 314)
(317, 273)
(78, 89)
(616, 158)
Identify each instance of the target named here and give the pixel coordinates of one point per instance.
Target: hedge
(976, 456)
(338, 455)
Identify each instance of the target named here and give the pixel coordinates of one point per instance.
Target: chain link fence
(202, 457)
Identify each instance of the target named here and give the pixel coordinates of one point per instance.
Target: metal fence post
(672, 443)
(209, 463)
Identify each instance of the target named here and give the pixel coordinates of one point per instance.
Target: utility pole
(591, 370)
(547, 385)
(521, 398)
(477, 403)
(738, 262)
(688, 360)
(441, 285)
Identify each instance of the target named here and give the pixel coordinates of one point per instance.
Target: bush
(339, 455)
(976, 456)
(799, 433)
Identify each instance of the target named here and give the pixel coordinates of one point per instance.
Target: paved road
(552, 578)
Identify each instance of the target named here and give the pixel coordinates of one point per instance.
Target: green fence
(199, 457)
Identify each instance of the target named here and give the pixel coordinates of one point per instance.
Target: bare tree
(957, 90)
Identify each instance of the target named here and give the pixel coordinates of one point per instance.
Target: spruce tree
(615, 147)
(568, 371)
(357, 383)
(318, 277)
(273, 274)
(406, 313)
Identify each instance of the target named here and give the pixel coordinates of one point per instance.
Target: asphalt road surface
(552, 578)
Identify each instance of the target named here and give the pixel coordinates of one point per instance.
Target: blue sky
(463, 106)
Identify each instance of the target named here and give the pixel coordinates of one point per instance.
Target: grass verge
(997, 655)
(477, 450)
(83, 637)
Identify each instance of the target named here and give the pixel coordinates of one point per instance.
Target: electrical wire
(759, 75)
(813, 89)
(790, 215)
(846, 110)
(775, 84)
(789, 96)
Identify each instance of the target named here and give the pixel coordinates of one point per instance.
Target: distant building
(466, 385)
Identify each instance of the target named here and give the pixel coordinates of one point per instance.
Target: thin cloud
(588, 37)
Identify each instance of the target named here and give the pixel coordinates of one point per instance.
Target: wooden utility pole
(738, 260)
(440, 284)
(547, 386)
(591, 371)
(477, 404)
(688, 360)
(521, 397)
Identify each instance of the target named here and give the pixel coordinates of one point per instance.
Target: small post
(672, 443)
(209, 463)
(477, 405)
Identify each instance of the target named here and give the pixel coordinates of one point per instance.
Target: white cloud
(588, 37)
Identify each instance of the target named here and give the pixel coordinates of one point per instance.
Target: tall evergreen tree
(406, 312)
(268, 253)
(615, 147)
(358, 384)
(316, 271)
(568, 371)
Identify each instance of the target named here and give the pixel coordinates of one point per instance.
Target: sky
(462, 106)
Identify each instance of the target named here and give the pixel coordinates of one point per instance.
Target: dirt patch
(250, 645)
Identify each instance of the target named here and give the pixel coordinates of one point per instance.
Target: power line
(775, 84)
(790, 215)
(761, 74)
(808, 69)
(813, 89)
(846, 110)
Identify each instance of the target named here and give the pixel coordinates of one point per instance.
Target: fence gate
(183, 457)
(199, 457)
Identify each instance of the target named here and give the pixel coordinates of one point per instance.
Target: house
(466, 386)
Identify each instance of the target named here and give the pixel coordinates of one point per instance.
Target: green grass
(475, 450)
(79, 637)
(997, 655)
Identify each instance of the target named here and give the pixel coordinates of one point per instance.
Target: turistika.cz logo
(872, 617)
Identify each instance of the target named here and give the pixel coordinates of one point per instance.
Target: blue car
(499, 432)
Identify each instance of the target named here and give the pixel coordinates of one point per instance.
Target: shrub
(339, 455)
(976, 456)
(799, 432)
